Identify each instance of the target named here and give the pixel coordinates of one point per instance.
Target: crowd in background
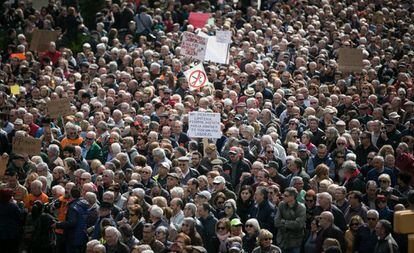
(311, 159)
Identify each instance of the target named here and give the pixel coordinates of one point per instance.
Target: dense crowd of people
(311, 159)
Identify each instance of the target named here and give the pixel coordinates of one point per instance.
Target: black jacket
(264, 213)
(331, 232)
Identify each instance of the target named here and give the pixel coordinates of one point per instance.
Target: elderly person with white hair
(113, 240)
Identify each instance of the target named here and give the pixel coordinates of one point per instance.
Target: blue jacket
(74, 227)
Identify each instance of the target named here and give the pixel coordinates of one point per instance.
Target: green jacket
(290, 222)
(95, 152)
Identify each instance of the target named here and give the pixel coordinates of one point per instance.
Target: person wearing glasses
(219, 240)
(363, 149)
(290, 221)
(365, 237)
(252, 228)
(264, 240)
(350, 234)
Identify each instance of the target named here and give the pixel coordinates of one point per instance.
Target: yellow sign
(15, 89)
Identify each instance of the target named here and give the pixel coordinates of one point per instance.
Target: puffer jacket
(290, 222)
(74, 227)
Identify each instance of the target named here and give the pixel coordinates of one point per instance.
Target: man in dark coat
(329, 230)
(263, 210)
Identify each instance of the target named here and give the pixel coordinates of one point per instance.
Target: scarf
(223, 241)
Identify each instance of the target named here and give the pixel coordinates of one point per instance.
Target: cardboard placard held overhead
(223, 37)
(26, 145)
(204, 125)
(38, 4)
(215, 51)
(198, 20)
(41, 40)
(350, 60)
(4, 159)
(193, 46)
(59, 107)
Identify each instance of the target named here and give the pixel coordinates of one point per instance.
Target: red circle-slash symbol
(197, 79)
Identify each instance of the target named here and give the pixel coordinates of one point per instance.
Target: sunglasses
(354, 224)
(248, 225)
(221, 228)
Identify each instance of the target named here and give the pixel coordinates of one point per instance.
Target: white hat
(219, 180)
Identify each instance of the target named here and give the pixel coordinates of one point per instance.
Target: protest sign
(15, 89)
(41, 40)
(196, 76)
(215, 51)
(59, 107)
(350, 60)
(26, 145)
(204, 125)
(198, 20)
(223, 37)
(193, 46)
(4, 159)
(38, 4)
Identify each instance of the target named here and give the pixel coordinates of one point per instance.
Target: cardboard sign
(223, 37)
(216, 52)
(350, 60)
(193, 46)
(204, 125)
(26, 145)
(196, 76)
(60, 107)
(4, 159)
(15, 89)
(38, 4)
(198, 20)
(41, 40)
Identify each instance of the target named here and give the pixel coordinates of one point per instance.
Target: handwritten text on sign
(26, 145)
(204, 125)
(193, 46)
(59, 107)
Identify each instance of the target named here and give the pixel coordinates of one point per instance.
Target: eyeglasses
(89, 139)
(221, 228)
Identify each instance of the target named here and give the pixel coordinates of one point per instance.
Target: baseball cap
(235, 222)
(205, 194)
(219, 180)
